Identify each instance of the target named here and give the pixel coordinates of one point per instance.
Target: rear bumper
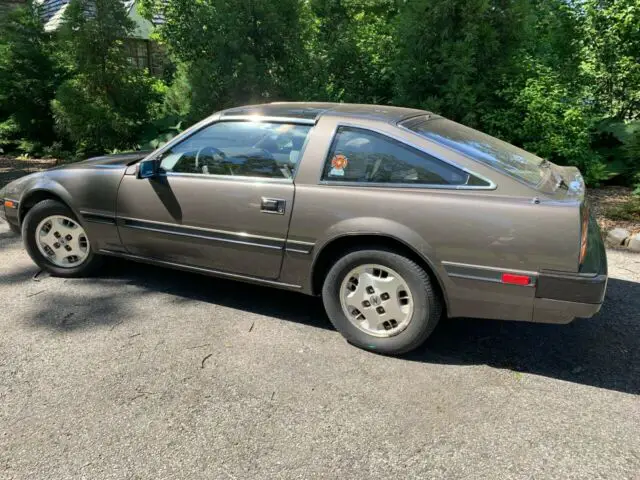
(560, 297)
(580, 288)
(548, 310)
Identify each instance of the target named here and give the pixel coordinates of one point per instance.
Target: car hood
(14, 189)
(116, 160)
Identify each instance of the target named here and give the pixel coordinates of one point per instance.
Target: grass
(628, 211)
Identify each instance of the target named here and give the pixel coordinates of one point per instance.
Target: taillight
(585, 235)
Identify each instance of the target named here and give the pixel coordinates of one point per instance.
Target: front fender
(91, 195)
(44, 187)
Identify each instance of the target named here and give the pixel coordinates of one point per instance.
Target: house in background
(143, 52)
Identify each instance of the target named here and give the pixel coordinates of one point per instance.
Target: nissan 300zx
(396, 217)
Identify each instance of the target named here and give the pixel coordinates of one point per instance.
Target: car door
(221, 201)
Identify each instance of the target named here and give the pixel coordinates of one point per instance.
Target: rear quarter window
(362, 156)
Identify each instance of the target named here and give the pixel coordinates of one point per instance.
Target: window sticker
(338, 164)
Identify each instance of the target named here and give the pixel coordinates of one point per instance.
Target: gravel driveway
(155, 374)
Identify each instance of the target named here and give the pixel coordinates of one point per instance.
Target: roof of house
(53, 11)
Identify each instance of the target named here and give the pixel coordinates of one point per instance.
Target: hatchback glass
(481, 147)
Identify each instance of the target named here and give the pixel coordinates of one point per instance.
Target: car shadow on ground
(603, 351)
(271, 302)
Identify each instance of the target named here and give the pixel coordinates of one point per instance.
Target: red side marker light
(513, 279)
(9, 204)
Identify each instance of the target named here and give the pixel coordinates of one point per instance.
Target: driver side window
(243, 149)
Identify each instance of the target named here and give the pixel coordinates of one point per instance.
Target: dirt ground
(601, 199)
(12, 168)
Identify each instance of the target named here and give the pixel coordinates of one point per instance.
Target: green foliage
(612, 55)
(560, 78)
(159, 132)
(628, 211)
(96, 121)
(619, 142)
(177, 98)
(28, 78)
(233, 51)
(105, 103)
(351, 47)
(453, 54)
(556, 124)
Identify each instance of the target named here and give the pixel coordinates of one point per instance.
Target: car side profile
(396, 217)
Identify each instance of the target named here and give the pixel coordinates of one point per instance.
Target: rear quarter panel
(501, 228)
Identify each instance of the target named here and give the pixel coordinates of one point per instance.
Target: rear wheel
(56, 241)
(380, 300)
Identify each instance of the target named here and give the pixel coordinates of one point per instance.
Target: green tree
(353, 47)
(556, 124)
(611, 54)
(453, 55)
(611, 71)
(105, 102)
(234, 51)
(28, 78)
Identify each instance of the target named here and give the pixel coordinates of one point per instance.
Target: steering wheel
(211, 152)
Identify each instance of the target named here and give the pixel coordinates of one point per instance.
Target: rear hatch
(556, 183)
(562, 182)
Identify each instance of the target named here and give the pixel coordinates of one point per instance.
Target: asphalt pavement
(145, 373)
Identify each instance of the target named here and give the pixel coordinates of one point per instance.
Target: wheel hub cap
(62, 241)
(377, 300)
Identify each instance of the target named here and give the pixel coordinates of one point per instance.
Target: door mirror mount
(147, 169)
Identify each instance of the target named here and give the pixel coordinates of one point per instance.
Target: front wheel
(380, 300)
(56, 241)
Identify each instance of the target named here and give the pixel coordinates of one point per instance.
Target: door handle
(273, 205)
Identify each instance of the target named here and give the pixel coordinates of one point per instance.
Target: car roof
(312, 111)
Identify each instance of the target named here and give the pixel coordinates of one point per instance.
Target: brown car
(395, 216)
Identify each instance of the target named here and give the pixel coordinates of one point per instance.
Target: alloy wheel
(62, 241)
(377, 300)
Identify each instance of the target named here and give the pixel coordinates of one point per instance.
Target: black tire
(38, 213)
(427, 304)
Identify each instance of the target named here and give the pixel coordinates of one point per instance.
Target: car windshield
(481, 147)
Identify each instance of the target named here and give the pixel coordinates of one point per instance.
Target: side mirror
(147, 169)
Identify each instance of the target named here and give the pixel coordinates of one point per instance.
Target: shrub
(629, 211)
(97, 121)
(556, 125)
(28, 78)
(106, 102)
